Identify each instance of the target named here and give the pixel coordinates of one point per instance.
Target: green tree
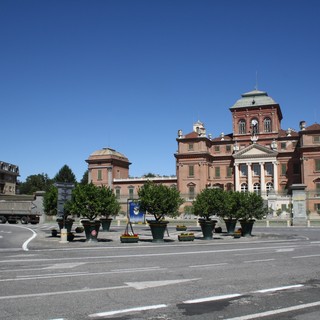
(209, 202)
(250, 206)
(90, 201)
(85, 179)
(159, 200)
(65, 174)
(50, 200)
(35, 182)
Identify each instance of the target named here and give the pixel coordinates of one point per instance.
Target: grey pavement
(109, 238)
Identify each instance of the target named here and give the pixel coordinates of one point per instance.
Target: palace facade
(8, 178)
(257, 156)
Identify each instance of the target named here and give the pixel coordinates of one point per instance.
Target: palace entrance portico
(256, 169)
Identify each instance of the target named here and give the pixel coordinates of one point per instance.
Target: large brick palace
(257, 156)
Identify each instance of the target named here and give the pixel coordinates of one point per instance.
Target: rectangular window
(131, 193)
(283, 169)
(256, 169)
(283, 146)
(99, 174)
(190, 146)
(317, 207)
(317, 189)
(316, 139)
(118, 193)
(191, 193)
(243, 170)
(283, 207)
(229, 172)
(228, 148)
(317, 164)
(217, 148)
(191, 171)
(217, 172)
(269, 169)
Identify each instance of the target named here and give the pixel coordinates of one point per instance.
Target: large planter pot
(67, 223)
(91, 229)
(207, 227)
(246, 227)
(158, 229)
(105, 223)
(230, 225)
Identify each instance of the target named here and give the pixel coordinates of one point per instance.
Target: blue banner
(135, 215)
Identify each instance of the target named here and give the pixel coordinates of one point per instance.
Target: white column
(236, 177)
(250, 186)
(262, 178)
(275, 176)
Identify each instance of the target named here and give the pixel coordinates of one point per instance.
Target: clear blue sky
(80, 75)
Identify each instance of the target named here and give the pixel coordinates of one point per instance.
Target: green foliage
(90, 201)
(159, 200)
(85, 179)
(50, 201)
(250, 206)
(35, 182)
(209, 202)
(65, 174)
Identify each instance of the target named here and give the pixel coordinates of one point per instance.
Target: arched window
(256, 188)
(244, 187)
(269, 186)
(242, 126)
(267, 125)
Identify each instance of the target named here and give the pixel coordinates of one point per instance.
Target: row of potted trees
(231, 206)
(91, 202)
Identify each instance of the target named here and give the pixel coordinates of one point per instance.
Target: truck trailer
(15, 211)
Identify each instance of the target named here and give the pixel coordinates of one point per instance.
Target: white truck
(23, 211)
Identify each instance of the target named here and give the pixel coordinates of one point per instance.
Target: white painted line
(111, 313)
(279, 288)
(285, 250)
(69, 265)
(263, 260)
(310, 256)
(214, 298)
(75, 274)
(278, 311)
(208, 265)
(44, 294)
(153, 284)
(25, 245)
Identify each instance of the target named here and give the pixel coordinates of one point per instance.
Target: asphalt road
(273, 275)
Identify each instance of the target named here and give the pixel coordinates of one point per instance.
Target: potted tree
(110, 207)
(228, 211)
(160, 201)
(250, 207)
(208, 203)
(87, 201)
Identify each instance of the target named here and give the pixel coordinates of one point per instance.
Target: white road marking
(208, 265)
(279, 288)
(111, 313)
(285, 250)
(44, 294)
(310, 256)
(213, 298)
(77, 274)
(278, 311)
(262, 260)
(64, 265)
(146, 254)
(153, 284)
